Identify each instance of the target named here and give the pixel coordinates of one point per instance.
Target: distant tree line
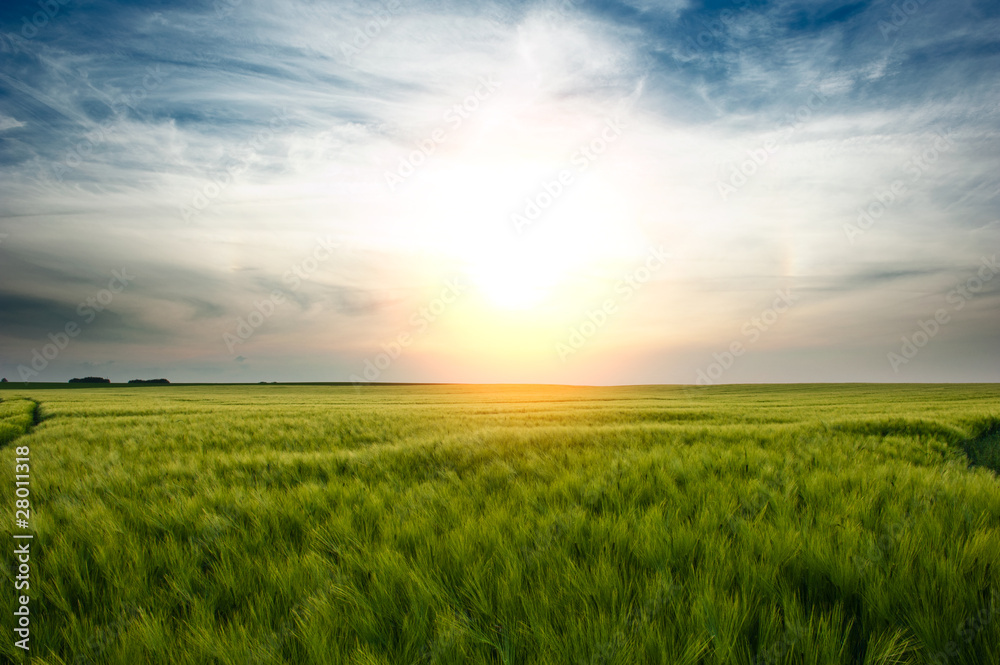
(97, 379)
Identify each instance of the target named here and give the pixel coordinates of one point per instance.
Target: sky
(584, 192)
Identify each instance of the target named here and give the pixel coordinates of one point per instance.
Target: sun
(518, 276)
(554, 262)
(510, 289)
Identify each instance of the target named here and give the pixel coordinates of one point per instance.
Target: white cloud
(662, 6)
(6, 122)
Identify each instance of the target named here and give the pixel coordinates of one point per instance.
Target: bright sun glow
(518, 278)
(527, 267)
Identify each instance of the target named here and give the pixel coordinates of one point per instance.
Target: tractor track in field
(36, 419)
(36, 414)
(983, 449)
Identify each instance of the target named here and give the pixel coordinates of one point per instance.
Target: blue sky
(448, 191)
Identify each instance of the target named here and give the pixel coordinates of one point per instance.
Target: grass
(510, 524)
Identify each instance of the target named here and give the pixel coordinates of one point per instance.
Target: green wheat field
(806, 524)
